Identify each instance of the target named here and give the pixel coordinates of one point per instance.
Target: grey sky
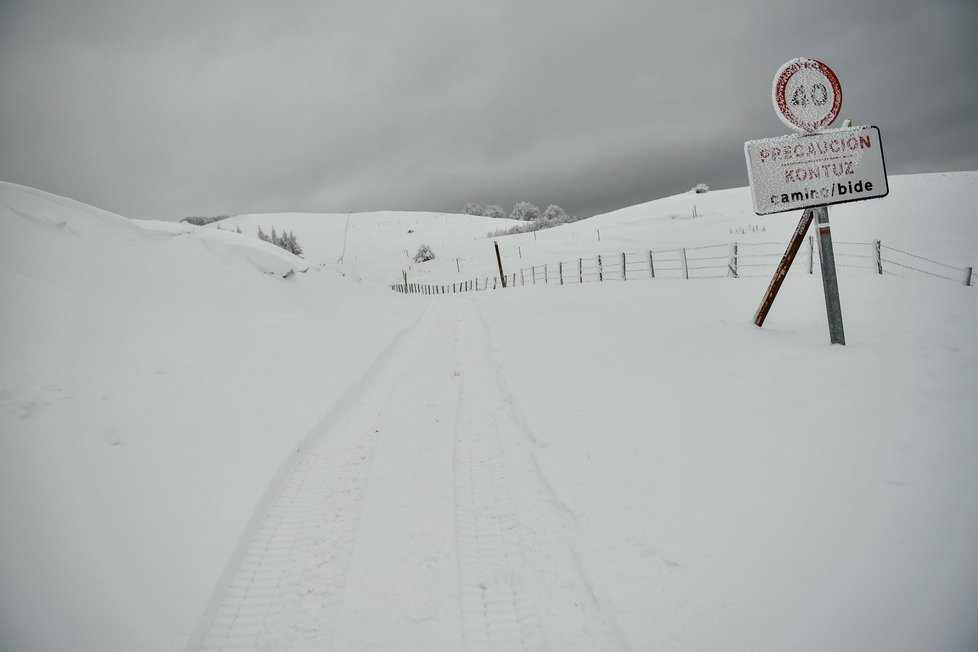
(168, 108)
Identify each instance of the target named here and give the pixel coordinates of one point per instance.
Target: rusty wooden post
(783, 267)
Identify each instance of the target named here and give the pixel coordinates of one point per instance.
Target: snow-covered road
(431, 448)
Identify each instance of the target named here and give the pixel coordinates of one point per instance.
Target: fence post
(624, 275)
(546, 273)
(877, 246)
(732, 265)
(811, 254)
(522, 277)
(499, 262)
(599, 234)
(682, 258)
(651, 265)
(600, 269)
(580, 270)
(967, 276)
(560, 271)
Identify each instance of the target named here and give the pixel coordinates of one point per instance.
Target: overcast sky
(168, 108)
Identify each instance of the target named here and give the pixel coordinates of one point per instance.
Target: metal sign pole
(830, 283)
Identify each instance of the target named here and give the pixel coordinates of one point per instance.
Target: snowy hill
(210, 443)
(370, 246)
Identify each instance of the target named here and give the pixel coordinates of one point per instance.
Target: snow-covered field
(206, 442)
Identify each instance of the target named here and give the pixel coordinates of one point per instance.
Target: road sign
(807, 94)
(807, 170)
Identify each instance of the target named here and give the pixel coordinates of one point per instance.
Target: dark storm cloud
(163, 109)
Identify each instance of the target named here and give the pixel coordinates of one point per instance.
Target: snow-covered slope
(198, 447)
(153, 379)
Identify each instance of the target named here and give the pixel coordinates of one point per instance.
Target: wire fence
(732, 260)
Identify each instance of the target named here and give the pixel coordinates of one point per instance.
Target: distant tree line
(533, 218)
(284, 240)
(203, 220)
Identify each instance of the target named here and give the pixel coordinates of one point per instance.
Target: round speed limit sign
(807, 94)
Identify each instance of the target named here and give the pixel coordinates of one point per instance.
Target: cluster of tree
(284, 240)
(424, 254)
(489, 211)
(700, 188)
(202, 220)
(534, 220)
(524, 211)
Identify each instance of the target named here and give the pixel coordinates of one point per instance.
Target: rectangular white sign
(805, 170)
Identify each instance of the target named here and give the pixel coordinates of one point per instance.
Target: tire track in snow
(522, 586)
(355, 551)
(287, 589)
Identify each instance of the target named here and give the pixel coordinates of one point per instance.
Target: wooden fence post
(499, 262)
(600, 270)
(546, 273)
(967, 276)
(682, 258)
(522, 277)
(580, 270)
(651, 265)
(877, 246)
(732, 264)
(560, 271)
(624, 276)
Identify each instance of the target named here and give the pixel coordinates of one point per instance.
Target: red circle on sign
(788, 71)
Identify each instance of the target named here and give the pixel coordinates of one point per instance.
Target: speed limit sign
(807, 94)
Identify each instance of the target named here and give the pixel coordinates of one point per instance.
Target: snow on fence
(734, 260)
